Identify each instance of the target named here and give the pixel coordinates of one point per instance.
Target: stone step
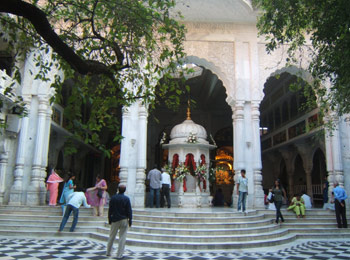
(178, 225)
(203, 230)
(207, 239)
(39, 219)
(212, 245)
(197, 219)
(206, 228)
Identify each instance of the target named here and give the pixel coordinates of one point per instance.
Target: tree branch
(41, 24)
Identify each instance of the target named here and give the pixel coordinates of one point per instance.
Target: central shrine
(189, 162)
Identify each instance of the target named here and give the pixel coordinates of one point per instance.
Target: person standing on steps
(119, 217)
(52, 186)
(165, 192)
(75, 200)
(155, 180)
(68, 189)
(242, 191)
(279, 192)
(97, 196)
(339, 204)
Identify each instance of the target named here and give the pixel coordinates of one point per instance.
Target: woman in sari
(97, 195)
(68, 189)
(52, 186)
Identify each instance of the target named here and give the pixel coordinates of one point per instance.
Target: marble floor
(36, 248)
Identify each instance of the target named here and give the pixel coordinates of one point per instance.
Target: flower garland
(168, 169)
(201, 172)
(192, 138)
(180, 172)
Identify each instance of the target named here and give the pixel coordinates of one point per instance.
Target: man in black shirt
(119, 217)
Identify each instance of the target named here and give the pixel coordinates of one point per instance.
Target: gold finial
(188, 110)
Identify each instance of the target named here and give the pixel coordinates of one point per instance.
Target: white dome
(187, 127)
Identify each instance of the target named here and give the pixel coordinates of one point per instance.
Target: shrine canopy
(188, 137)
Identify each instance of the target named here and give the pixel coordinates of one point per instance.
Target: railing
(316, 189)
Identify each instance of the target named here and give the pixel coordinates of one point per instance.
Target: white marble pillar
(333, 156)
(257, 165)
(16, 194)
(36, 191)
(238, 144)
(46, 143)
(139, 195)
(124, 151)
(3, 170)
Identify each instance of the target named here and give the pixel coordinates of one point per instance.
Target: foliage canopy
(326, 26)
(112, 53)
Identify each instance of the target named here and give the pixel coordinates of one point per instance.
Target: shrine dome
(181, 132)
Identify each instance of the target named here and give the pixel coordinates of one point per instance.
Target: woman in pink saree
(96, 196)
(52, 186)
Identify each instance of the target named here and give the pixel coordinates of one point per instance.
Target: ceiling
(220, 11)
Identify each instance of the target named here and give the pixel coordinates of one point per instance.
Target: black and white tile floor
(32, 248)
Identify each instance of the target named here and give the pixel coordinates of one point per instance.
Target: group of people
(96, 196)
(119, 212)
(299, 203)
(160, 184)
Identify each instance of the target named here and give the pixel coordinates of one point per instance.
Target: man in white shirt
(166, 184)
(307, 200)
(75, 200)
(242, 191)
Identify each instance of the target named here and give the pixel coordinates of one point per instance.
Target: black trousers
(278, 205)
(165, 192)
(340, 214)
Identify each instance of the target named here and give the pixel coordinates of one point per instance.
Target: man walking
(242, 191)
(339, 204)
(119, 216)
(166, 183)
(75, 200)
(155, 178)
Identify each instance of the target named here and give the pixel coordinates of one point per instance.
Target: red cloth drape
(203, 162)
(174, 164)
(190, 161)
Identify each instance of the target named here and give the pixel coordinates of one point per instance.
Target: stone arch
(299, 172)
(213, 68)
(318, 174)
(293, 70)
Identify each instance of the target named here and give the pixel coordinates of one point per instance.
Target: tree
(326, 25)
(100, 45)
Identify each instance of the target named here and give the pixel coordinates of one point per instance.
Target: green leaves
(121, 49)
(289, 22)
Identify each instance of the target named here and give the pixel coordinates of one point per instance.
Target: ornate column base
(16, 197)
(139, 194)
(36, 194)
(1, 198)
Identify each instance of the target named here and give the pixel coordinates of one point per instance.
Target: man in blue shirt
(119, 215)
(339, 203)
(75, 200)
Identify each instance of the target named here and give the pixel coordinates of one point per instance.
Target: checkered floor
(16, 248)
